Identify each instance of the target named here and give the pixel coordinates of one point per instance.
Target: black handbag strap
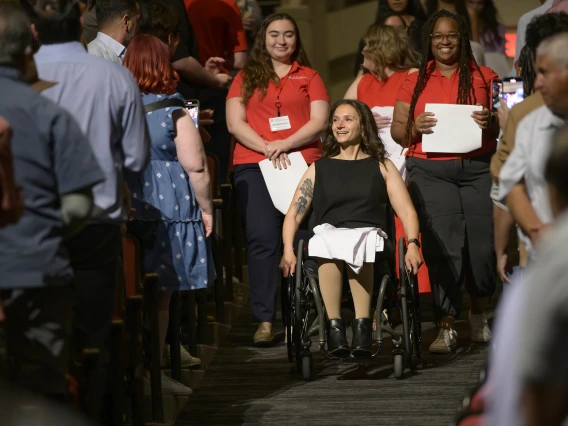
(164, 103)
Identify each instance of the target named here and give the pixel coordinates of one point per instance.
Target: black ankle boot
(362, 337)
(336, 339)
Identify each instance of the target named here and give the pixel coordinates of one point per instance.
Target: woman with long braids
(459, 8)
(451, 191)
(276, 105)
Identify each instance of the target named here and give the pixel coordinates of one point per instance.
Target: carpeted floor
(251, 386)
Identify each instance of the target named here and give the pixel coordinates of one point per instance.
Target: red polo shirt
(297, 91)
(443, 90)
(375, 92)
(218, 26)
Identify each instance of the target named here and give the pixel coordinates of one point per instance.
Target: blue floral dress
(167, 219)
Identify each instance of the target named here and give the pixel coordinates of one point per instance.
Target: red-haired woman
(172, 197)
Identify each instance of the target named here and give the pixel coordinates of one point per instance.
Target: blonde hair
(389, 47)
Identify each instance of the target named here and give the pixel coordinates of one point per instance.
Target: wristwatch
(414, 241)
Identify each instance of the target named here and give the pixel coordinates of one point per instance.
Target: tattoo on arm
(307, 190)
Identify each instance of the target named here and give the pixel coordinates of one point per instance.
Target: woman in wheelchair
(349, 189)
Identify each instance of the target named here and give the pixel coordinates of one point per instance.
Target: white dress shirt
(524, 21)
(528, 159)
(107, 48)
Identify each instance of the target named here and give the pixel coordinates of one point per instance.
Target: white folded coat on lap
(354, 246)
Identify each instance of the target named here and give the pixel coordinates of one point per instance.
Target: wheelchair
(304, 317)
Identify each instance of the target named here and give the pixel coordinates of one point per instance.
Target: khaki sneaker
(480, 332)
(264, 335)
(169, 387)
(187, 360)
(445, 342)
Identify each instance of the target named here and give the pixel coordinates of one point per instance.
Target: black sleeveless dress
(350, 194)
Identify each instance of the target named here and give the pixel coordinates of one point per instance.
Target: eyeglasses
(437, 38)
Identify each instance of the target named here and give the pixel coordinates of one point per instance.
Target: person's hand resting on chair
(413, 259)
(288, 263)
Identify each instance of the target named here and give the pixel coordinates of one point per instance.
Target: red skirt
(423, 280)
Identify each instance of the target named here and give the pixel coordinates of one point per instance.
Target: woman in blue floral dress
(171, 199)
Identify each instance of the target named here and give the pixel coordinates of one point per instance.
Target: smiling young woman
(275, 106)
(451, 191)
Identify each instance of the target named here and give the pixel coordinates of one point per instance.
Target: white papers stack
(455, 131)
(395, 152)
(282, 184)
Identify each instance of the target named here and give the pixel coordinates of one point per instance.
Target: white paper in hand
(395, 152)
(455, 131)
(282, 184)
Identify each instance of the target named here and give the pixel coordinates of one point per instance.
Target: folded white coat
(354, 246)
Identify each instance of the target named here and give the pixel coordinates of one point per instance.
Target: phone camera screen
(513, 92)
(193, 109)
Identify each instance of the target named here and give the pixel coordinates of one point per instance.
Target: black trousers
(263, 224)
(456, 220)
(94, 254)
(38, 330)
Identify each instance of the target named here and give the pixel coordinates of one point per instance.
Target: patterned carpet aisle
(250, 386)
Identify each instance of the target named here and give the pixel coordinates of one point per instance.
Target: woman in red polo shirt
(277, 82)
(451, 191)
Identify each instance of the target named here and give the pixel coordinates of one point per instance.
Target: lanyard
(278, 104)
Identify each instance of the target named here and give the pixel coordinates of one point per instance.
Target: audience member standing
(252, 19)
(54, 165)
(521, 179)
(219, 29)
(412, 13)
(276, 82)
(173, 212)
(105, 100)
(118, 23)
(528, 383)
(524, 21)
(451, 191)
(542, 27)
(409, 11)
(487, 30)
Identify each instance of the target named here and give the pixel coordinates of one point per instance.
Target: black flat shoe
(362, 337)
(336, 339)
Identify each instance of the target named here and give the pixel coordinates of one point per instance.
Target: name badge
(279, 123)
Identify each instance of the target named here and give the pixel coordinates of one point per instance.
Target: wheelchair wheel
(307, 367)
(416, 327)
(290, 295)
(410, 307)
(398, 366)
(404, 295)
(298, 314)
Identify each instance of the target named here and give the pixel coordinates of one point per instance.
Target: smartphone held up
(192, 106)
(510, 91)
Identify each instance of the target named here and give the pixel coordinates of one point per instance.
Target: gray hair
(15, 34)
(556, 47)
